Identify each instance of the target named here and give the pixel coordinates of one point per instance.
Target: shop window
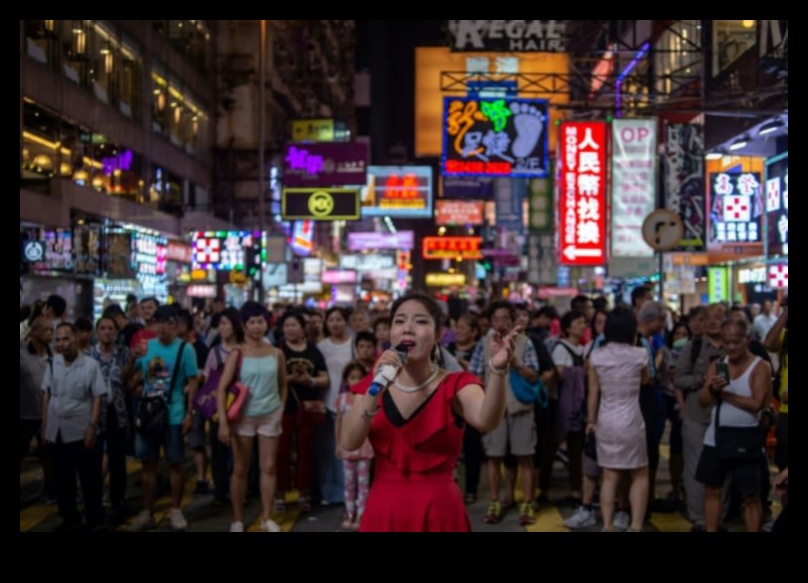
(42, 41)
(190, 37)
(167, 191)
(177, 116)
(731, 40)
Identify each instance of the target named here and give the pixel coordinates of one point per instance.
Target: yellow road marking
(286, 521)
(548, 520)
(35, 515)
(665, 452)
(671, 523)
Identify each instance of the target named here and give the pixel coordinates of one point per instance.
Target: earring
(437, 353)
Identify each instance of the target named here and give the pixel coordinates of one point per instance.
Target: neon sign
(453, 248)
(496, 137)
(582, 194)
(737, 210)
(398, 192)
(122, 162)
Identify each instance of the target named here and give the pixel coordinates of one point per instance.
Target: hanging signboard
(581, 189)
(496, 137)
(509, 36)
(634, 184)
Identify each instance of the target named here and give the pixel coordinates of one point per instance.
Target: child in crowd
(356, 463)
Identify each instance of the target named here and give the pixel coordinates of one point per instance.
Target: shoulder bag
(153, 411)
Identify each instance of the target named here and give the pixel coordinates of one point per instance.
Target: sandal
(347, 523)
(470, 499)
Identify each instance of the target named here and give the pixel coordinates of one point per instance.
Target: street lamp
(262, 50)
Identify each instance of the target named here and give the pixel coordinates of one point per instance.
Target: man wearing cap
(156, 370)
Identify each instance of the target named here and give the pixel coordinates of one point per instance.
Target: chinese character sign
(325, 165)
(581, 188)
(777, 206)
(496, 137)
(736, 210)
(633, 185)
(398, 192)
(466, 248)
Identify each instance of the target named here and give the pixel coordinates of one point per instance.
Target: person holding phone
(740, 386)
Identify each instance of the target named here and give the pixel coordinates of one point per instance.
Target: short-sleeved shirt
(72, 390)
(562, 357)
(310, 361)
(112, 371)
(217, 357)
(158, 369)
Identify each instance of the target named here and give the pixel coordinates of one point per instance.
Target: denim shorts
(147, 449)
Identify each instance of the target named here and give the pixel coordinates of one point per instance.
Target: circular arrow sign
(663, 230)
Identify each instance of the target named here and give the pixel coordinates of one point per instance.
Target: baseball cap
(166, 314)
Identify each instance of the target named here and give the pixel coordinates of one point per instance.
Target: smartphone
(723, 370)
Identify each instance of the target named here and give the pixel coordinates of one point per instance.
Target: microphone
(388, 373)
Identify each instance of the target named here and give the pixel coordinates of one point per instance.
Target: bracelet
(370, 415)
(500, 372)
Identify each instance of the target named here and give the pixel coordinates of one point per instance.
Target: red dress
(413, 487)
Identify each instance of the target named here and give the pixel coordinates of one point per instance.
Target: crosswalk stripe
(35, 515)
(671, 523)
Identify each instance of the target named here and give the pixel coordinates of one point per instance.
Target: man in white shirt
(74, 387)
(765, 321)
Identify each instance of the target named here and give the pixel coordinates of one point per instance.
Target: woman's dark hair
(36, 312)
(353, 367)
(427, 302)
(621, 327)
(568, 320)
(595, 321)
(25, 313)
(366, 337)
(294, 315)
(381, 322)
(186, 318)
(341, 311)
(252, 310)
(679, 326)
(233, 316)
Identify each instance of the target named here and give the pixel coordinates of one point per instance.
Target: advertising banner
(320, 204)
(542, 218)
(684, 172)
(451, 248)
(777, 206)
(718, 282)
(402, 240)
(398, 192)
(582, 188)
(634, 184)
(467, 188)
(325, 165)
(496, 137)
(736, 211)
(457, 213)
(227, 251)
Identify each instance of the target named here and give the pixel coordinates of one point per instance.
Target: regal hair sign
(510, 36)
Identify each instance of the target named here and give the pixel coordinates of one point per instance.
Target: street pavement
(204, 516)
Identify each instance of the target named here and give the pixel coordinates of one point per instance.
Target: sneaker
(528, 515)
(237, 527)
(622, 521)
(177, 521)
(143, 523)
(582, 519)
(494, 514)
(202, 489)
(270, 526)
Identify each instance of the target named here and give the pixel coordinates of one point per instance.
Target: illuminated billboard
(496, 137)
(398, 192)
(439, 72)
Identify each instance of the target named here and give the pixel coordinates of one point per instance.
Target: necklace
(421, 387)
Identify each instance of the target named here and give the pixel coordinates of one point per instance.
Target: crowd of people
(270, 403)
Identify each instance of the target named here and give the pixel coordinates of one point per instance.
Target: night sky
(387, 50)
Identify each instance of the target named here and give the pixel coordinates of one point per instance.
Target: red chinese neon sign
(582, 194)
(465, 248)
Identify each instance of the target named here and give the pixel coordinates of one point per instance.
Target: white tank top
(732, 416)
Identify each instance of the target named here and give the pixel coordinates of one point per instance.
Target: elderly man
(74, 387)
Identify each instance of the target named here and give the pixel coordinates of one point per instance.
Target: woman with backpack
(230, 334)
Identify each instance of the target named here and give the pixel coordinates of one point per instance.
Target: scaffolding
(636, 67)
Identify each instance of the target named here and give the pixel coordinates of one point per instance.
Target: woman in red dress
(416, 425)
